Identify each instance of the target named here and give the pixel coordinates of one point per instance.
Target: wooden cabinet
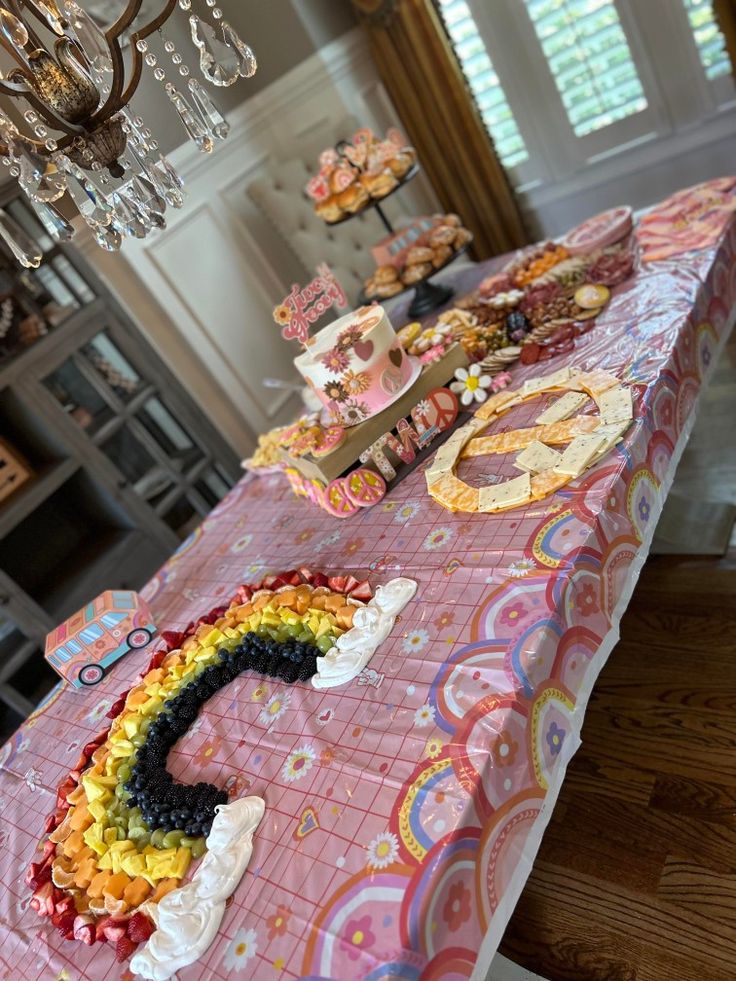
(123, 464)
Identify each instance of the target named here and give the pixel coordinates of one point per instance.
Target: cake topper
(304, 306)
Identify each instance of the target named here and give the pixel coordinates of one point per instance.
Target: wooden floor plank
(708, 892)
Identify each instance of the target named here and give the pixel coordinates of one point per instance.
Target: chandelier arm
(124, 20)
(118, 100)
(39, 15)
(23, 90)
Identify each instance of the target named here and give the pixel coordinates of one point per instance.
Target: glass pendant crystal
(125, 218)
(148, 217)
(174, 175)
(53, 221)
(195, 129)
(39, 176)
(91, 39)
(13, 30)
(54, 17)
(91, 203)
(223, 56)
(147, 194)
(211, 115)
(23, 248)
(106, 236)
(248, 63)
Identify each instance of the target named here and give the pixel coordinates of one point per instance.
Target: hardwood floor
(636, 876)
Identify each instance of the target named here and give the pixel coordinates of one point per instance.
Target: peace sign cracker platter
(587, 438)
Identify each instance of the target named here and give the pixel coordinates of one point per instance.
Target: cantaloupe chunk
(154, 676)
(163, 887)
(73, 844)
(85, 873)
(345, 617)
(97, 885)
(136, 892)
(116, 885)
(76, 796)
(136, 697)
(333, 602)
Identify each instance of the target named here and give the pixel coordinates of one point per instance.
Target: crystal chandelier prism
(72, 140)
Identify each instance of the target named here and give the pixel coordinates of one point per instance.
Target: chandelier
(70, 132)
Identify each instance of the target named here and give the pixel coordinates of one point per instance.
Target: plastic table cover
(403, 810)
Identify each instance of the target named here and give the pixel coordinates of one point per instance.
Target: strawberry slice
(84, 929)
(362, 592)
(65, 904)
(100, 928)
(124, 948)
(42, 899)
(50, 824)
(306, 574)
(140, 928)
(351, 583)
(319, 579)
(337, 583)
(115, 927)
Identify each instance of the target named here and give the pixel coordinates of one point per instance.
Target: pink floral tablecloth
(403, 811)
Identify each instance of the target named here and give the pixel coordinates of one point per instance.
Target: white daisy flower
(298, 763)
(407, 511)
(242, 949)
(383, 850)
(471, 385)
(274, 708)
(437, 538)
(520, 568)
(415, 641)
(424, 715)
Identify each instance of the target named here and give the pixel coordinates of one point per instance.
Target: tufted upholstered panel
(279, 194)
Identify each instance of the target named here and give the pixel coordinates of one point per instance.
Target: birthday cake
(357, 366)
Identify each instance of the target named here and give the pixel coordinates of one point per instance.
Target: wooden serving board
(360, 437)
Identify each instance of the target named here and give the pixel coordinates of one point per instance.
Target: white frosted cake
(356, 365)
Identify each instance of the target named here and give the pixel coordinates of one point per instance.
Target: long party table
(403, 810)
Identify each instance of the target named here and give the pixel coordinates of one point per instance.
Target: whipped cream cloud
(372, 624)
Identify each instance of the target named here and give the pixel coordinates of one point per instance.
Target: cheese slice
(496, 403)
(537, 457)
(612, 436)
(615, 405)
(596, 382)
(579, 454)
(562, 408)
(554, 380)
(515, 491)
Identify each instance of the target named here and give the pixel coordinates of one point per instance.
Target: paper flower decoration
(471, 385)
(501, 381)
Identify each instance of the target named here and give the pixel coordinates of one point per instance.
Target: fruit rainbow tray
(402, 808)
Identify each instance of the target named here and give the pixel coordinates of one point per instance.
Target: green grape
(325, 642)
(157, 838)
(172, 839)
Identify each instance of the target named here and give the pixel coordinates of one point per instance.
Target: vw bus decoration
(86, 645)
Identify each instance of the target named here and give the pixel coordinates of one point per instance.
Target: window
(589, 57)
(710, 41)
(483, 82)
(563, 85)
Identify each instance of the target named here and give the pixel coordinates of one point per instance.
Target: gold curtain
(421, 74)
(725, 13)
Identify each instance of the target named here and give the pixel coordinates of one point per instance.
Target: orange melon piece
(73, 844)
(303, 598)
(333, 602)
(81, 819)
(263, 599)
(136, 892)
(116, 885)
(287, 598)
(76, 796)
(98, 884)
(345, 617)
(156, 675)
(318, 601)
(85, 873)
(243, 612)
(163, 887)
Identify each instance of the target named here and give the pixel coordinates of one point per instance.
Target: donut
(419, 253)
(412, 274)
(442, 235)
(385, 274)
(440, 255)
